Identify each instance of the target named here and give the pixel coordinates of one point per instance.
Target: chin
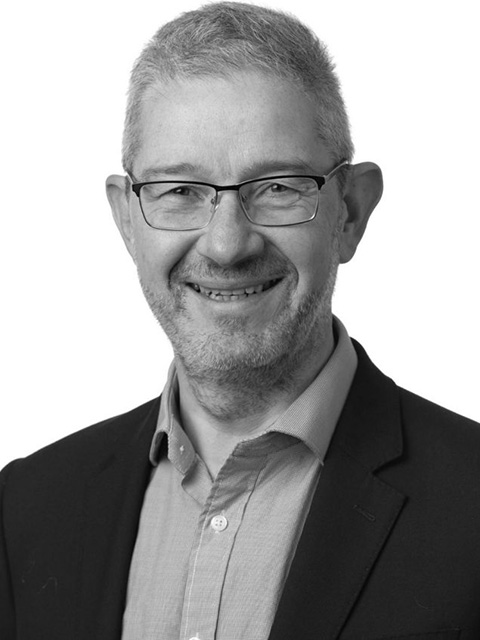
(234, 354)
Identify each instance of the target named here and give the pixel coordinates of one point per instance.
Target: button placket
(222, 517)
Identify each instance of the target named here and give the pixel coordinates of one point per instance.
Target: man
(281, 487)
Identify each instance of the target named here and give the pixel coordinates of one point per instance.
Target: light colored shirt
(212, 555)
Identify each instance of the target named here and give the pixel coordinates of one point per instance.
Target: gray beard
(234, 372)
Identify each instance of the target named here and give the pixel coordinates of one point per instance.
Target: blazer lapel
(111, 510)
(351, 515)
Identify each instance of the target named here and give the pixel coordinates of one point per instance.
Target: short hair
(222, 38)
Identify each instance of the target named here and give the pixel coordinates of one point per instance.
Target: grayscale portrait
(243, 250)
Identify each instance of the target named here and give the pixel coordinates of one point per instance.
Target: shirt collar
(169, 423)
(311, 418)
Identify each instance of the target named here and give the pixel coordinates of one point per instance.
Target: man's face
(233, 294)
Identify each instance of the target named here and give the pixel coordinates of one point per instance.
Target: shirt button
(219, 523)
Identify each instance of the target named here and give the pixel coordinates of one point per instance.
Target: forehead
(224, 128)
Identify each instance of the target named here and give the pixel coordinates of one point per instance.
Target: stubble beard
(235, 372)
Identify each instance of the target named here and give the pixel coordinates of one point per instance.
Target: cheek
(311, 253)
(157, 252)
(315, 267)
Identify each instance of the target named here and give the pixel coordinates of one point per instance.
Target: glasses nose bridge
(229, 187)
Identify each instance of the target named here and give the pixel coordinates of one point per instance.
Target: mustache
(259, 267)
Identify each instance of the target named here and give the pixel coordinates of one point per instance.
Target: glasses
(277, 201)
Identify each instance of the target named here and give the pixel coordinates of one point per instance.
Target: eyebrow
(254, 170)
(271, 167)
(169, 170)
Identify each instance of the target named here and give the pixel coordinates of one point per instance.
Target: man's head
(242, 302)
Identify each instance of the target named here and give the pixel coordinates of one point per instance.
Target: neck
(220, 411)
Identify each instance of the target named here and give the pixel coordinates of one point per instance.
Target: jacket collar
(109, 521)
(352, 513)
(369, 428)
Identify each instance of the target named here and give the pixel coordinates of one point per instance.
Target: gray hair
(221, 38)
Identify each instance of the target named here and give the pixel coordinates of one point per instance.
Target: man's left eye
(181, 191)
(276, 187)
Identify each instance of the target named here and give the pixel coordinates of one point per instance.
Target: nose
(230, 237)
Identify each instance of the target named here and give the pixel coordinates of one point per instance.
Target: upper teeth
(232, 292)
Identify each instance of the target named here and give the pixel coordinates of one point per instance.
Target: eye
(183, 190)
(284, 190)
(276, 187)
(172, 191)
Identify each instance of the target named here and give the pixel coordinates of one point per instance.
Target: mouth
(230, 294)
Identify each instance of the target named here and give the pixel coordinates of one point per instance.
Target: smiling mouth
(231, 295)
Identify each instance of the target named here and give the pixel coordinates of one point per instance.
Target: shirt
(212, 555)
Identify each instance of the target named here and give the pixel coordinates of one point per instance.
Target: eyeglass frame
(321, 181)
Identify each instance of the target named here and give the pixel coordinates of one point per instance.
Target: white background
(78, 343)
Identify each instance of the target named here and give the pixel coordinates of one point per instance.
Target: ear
(120, 204)
(363, 191)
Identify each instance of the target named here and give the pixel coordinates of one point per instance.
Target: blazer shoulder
(81, 452)
(441, 456)
(419, 413)
(382, 422)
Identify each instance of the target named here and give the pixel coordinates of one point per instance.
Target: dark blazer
(390, 549)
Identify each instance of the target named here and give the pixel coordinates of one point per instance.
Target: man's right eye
(167, 191)
(183, 190)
